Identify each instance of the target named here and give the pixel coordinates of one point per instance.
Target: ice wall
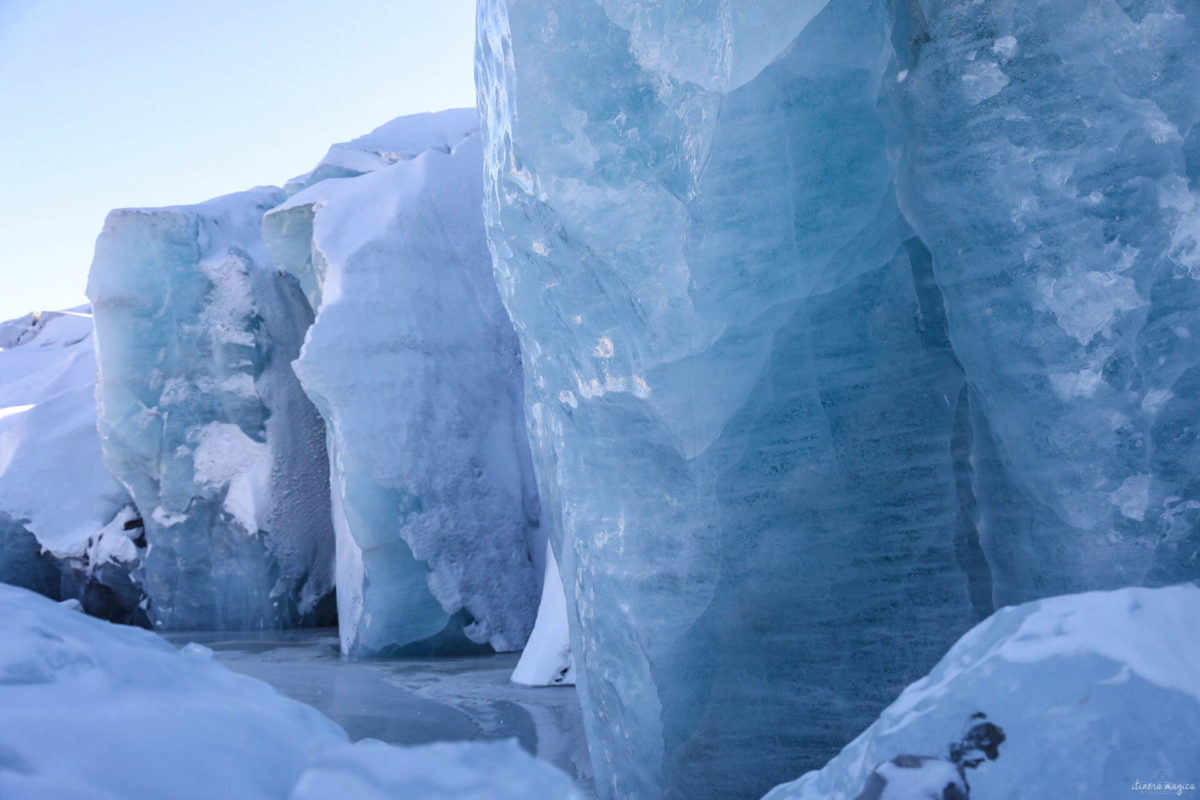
(414, 365)
(1050, 159)
(202, 418)
(743, 402)
(843, 323)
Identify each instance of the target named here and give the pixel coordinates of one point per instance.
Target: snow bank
(67, 529)
(1094, 692)
(51, 469)
(103, 711)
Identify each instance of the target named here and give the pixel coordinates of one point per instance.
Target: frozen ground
(409, 701)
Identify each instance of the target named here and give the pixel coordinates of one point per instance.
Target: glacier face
(202, 418)
(839, 332)
(414, 365)
(1123, 662)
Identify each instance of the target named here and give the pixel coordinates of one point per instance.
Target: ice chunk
(204, 421)
(414, 365)
(1094, 693)
(102, 711)
(748, 422)
(546, 660)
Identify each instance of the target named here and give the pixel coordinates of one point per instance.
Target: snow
(546, 659)
(401, 139)
(48, 432)
(1093, 692)
(115, 713)
(371, 770)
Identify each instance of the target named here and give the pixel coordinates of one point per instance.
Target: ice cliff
(203, 420)
(414, 365)
(844, 323)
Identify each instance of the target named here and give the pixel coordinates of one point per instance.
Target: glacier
(844, 324)
(786, 351)
(203, 420)
(1123, 662)
(105, 711)
(414, 365)
(67, 528)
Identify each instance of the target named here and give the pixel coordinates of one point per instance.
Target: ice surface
(1094, 693)
(411, 700)
(62, 517)
(371, 770)
(102, 711)
(202, 418)
(414, 365)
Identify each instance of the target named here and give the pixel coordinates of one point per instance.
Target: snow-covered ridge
(67, 528)
(50, 464)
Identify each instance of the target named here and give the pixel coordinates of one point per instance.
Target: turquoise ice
(844, 324)
(202, 419)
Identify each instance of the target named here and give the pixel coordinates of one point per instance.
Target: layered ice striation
(416, 369)
(843, 324)
(743, 400)
(1050, 159)
(1094, 694)
(67, 529)
(203, 420)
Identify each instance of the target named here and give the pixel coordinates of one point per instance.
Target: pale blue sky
(112, 103)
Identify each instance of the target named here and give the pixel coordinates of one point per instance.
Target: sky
(117, 103)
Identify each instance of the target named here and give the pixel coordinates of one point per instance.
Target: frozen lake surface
(407, 701)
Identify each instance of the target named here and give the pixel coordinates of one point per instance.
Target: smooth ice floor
(408, 701)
